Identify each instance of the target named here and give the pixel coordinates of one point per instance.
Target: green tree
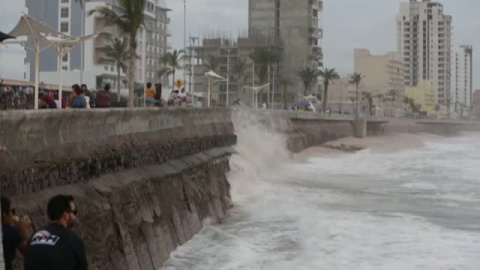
(328, 75)
(356, 79)
(118, 54)
(128, 19)
(172, 60)
(308, 77)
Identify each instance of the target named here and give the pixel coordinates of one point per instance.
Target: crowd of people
(153, 98)
(54, 247)
(80, 98)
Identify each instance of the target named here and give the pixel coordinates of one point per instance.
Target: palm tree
(406, 101)
(212, 62)
(128, 19)
(238, 68)
(368, 96)
(284, 82)
(308, 77)
(327, 75)
(172, 60)
(356, 79)
(264, 58)
(117, 53)
(437, 108)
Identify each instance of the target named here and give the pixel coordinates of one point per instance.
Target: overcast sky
(347, 24)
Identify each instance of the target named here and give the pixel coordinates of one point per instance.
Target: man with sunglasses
(57, 246)
(14, 237)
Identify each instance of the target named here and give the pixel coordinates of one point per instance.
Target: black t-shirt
(11, 241)
(56, 248)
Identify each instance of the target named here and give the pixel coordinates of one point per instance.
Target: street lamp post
(228, 74)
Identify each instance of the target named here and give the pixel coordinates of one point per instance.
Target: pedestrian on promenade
(57, 246)
(15, 233)
(79, 101)
(102, 99)
(150, 95)
(88, 95)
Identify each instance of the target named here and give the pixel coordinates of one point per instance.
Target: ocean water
(412, 209)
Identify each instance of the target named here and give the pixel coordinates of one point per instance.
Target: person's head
(61, 209)
(183, 90)
(7, 211)
(176, 91)
(84, 87)
(76, 88)
(107, 87)
(149, 85)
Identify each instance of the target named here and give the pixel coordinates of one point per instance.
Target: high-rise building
(424, 40)
(462, 79)
(383, 79)
(71, 17)
(297, 24)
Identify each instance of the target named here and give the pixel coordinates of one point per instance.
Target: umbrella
(4, 36)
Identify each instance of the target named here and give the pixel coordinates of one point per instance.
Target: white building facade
(462, 79)
(97, 72)
(424, 41)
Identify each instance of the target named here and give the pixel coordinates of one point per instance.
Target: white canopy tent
(256, 90)
(44, 35)
(64, 46)
(212, 78)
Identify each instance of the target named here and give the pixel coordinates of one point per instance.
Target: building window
(64, 13)
(112, 68)
(106, 68)
(64, 27)
(65, 1)
(65, 58)
(64, 67)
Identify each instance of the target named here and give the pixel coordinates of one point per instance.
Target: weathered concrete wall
(304, 129)
(144, 180)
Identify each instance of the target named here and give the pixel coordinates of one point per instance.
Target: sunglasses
(75, 212)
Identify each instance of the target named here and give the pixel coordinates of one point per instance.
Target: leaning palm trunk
(325, 98)
(173, 80)
(357, 109)
(131, 71)
(118, 83)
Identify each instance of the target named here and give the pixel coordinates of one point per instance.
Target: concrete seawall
(305, 129)
(144, 180)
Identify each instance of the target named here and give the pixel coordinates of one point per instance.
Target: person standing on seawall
(57, 247)
(13, 237)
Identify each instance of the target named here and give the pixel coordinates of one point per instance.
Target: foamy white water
(416, 209)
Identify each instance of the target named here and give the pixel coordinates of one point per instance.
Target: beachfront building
(297, 25)
(425, 96)
(383, 78)
(462, 79)
(424, 41)
(341, 96)
(71, 17)
(227, 54)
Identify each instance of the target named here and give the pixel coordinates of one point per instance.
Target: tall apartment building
(69, 17)
(383, 76)
(462, 78)
(424, 40)
(297, 25)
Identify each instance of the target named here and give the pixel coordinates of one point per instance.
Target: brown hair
(76, 88)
